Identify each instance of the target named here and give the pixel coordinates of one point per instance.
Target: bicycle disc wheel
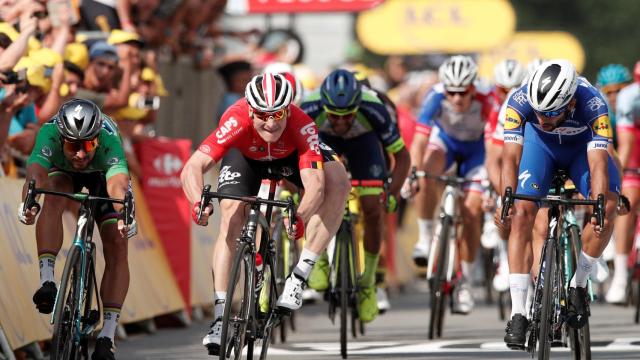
(438, 280)
(345, 288)
(235, 319)
(546, 316)
(66, 313)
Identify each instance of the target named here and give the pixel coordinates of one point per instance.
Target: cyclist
(80, 147)
(450, 128)
(260, 131)
(627, 110)
(508, 74)
(355, 122)
(557, 120)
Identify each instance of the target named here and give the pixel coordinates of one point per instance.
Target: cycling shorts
(541, 160)
(469, 155)
(96, 183)
(364, 155)
(242, 176)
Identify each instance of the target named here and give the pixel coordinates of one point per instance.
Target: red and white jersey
(236, 131)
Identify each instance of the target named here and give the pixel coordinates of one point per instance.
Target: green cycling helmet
(613, 74)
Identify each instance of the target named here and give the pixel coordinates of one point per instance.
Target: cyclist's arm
(192, 175)
(402, 161)
(598, 172)
(117, 186)
(493, 162)
(511, 155)
(35, 172)
(626, 141)
(313, 182)
(418, 147)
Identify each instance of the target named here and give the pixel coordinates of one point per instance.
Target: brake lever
(30, 199)
(204, 200)
(507, 199)
(600, 210)
(127, 208)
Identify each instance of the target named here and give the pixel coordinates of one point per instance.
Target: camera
(149, 102)
(13, 77)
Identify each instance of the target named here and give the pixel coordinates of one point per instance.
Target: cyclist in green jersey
(80, 147)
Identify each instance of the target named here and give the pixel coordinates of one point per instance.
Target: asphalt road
(399, 334)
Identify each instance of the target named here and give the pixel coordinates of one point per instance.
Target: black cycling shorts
(364, 155)
(242, 176)
(96, 183)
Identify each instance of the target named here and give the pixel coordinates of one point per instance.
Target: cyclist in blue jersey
(354, 122)
(556, 121)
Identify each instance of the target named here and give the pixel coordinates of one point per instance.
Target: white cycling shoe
(617, 293)
(291, 297)
(213, 338)
(501, 278)
(421, 251)
(600, 271)
(463, 301)
(383, 300)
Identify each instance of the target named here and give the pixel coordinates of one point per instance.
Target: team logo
(512, 119)
(523, 177)
(311, 133)
(46, 151)
(225, 130)
(227, 175)
(113, 161)
(602, 126)
(595, 103)
(520, 97)
(375, 170)
(286, 171)
(535, 186)
(205, 149)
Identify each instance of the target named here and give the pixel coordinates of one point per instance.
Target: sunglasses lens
(265, 116)
(75, 146)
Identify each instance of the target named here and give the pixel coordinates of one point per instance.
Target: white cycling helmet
(508, 73)
(288, 72)
(268, 92)
(457, 73)
(552, 85)
(532, 66)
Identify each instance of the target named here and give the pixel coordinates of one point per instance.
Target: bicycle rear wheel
(235, 319)
(437, 282)
(546, 314)
(66, 313)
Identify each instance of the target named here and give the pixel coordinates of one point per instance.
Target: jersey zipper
(269, 150)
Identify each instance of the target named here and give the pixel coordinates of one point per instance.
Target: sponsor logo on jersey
(602, 126)
(113, 161)
(595, 103)
(512, 119)
(311, 134)
(205, 149)
(46, 151)
(520, 97)
(225, 131)
(564, 130)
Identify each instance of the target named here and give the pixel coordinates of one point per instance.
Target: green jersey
(109, 157)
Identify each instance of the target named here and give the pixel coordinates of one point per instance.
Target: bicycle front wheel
(580, 339)
(547, 311)
(342, 246)
(438, 281)
(64, 341)
(238, 304)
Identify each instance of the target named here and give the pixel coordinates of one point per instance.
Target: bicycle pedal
(282, 311)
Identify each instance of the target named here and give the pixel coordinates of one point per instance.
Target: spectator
(235, 75)
(76, 60)
(99, 78)
(106, 15)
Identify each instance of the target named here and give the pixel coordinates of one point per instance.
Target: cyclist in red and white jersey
(262, 132)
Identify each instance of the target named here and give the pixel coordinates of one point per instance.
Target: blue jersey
(587, 124)
(372, 116)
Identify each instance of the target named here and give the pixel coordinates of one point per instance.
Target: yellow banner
(152, 290)
(408, 27)
(525, 46)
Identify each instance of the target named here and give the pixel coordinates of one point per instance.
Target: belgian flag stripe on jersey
(316, 164)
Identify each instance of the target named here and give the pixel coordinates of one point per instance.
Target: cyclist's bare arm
(511, 155)
(117, 186)
(418, 147)
(626, 140)
(35, 172)
(192, 175)
(402, 161)
(313, 182)
(493, 163)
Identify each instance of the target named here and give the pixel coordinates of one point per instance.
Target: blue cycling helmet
(341, 91)
(613, 74)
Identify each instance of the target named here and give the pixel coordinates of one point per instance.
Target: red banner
(162, 161)
(300, 6)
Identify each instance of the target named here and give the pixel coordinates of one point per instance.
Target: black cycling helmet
(79, 119)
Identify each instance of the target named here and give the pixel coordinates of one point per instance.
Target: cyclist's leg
(49, 238)
(624, 228)
(367, 162)
(436, 159)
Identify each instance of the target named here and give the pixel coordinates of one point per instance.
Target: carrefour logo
(167, 164)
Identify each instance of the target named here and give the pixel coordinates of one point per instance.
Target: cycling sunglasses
(550, 114)
(75, 146)
(340, 113)
(266, 116)
(454, 93)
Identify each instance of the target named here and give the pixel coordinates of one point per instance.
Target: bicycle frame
(448, 208)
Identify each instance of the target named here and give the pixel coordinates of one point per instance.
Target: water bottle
(259, 273)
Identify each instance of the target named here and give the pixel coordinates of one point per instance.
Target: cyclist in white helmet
(450, 129)
(263, 131)
(555, 121)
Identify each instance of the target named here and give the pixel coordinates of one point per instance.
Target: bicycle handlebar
(208, 195)
(598, 205)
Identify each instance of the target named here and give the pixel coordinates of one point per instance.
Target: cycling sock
(425, 229)
(368, 278)
(466, 266)
(47, 263)
(519, 286)
(620, 267)
(219, 300)
(111, 318)
(585, 264)
(307, 260)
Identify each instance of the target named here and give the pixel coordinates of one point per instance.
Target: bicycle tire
(62, 347)
(282, 253)
(637, 316)
(489, 273)
(437, 291)
(544, 328)
(580, 338)
(502, 306)
(88, 303)
(268, 330)
(240, 268)
(345, 286)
